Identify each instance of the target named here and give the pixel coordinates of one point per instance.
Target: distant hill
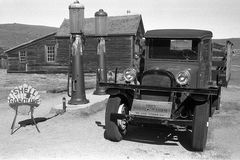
(235, 41)
(14, 34)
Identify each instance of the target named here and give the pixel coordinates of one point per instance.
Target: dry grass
(42, 82)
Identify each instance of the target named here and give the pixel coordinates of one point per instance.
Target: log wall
(119, 50)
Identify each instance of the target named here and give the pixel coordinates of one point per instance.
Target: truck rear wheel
(200, 127)
(115, 129)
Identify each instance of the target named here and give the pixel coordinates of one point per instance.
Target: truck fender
(126, 94)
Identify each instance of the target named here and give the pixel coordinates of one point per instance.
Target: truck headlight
(129, 74)
(183, 77)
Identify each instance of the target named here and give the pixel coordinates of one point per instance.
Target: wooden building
(3, 62)
(32, 56)
(50, 54)
(3, 59)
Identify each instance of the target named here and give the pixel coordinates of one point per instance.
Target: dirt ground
(79, 135)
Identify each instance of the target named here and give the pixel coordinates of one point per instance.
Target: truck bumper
(201, 91)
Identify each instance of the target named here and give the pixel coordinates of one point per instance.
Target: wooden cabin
(3, 62)
(50, 54)
(3, 59)
(33, 56)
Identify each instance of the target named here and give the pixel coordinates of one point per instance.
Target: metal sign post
(24, 96)
(101, 32)
(76, 18)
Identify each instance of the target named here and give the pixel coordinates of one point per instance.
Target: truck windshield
(181, 49)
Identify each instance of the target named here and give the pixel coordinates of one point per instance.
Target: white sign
(24, 95)
(149, 108)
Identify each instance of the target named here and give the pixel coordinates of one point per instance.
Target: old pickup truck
(180, 85)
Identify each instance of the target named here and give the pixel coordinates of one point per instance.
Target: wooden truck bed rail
(221, 63)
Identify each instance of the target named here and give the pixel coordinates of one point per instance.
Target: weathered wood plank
(218, 46)
(118, 54)
(228, 61)
(218, 53)
(219, 63)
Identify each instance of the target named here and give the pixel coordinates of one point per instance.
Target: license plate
(151, 108)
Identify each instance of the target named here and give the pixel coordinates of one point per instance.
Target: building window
(22, 56)
(50, 53)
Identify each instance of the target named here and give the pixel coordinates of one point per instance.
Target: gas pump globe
(101, 32)
(76, 18)
(101, 23)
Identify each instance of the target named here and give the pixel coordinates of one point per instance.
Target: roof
(117, 25)
(29, 42)
(178, 33)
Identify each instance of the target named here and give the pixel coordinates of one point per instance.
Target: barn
(50, 53)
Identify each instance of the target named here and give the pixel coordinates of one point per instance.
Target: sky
(222, 17)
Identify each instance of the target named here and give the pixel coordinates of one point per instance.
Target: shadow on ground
(156, 135)
(160, 135)
(33, 121)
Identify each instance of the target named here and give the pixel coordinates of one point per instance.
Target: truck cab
(179, 86)
(184, 53)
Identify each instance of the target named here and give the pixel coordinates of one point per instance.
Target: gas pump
(76, 72)
(101, 32)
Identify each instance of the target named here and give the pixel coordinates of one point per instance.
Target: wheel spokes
(122, 123)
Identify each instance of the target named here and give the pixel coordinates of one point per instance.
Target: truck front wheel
(115, 129)
(200, 127)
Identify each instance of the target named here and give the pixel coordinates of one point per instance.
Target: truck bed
(221, 63)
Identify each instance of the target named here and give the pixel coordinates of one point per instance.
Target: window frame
(22, 55)
(50, 53)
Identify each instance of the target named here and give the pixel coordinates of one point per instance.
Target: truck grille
(160, 79)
